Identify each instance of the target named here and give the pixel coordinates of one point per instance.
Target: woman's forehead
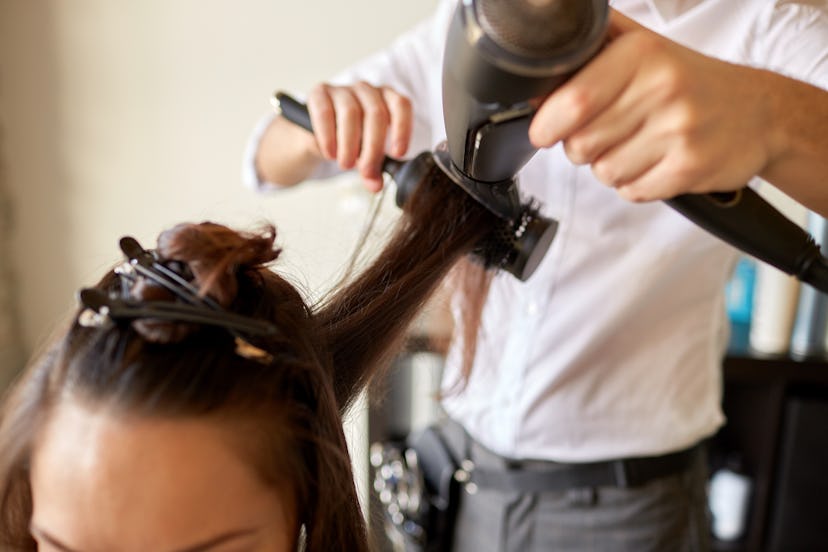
(101, 479)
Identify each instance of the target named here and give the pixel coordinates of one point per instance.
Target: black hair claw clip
(102, 310)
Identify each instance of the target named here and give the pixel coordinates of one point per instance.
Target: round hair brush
(520, 235)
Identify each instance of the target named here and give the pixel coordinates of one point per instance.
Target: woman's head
(114, 405)
(145, 420)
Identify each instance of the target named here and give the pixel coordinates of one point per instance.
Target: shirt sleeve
(792, 39)
(410, 65)
(250, 176)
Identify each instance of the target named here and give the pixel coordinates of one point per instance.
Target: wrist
(777, 132)
(287, 154)
(797, 139)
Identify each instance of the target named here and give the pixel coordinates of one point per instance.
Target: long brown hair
(321, 358)
(363, 322)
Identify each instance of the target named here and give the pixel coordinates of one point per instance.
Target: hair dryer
(500, 54)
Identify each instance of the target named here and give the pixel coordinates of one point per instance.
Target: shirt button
(532, 309)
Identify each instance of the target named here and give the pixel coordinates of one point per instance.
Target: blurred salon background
(124, 118)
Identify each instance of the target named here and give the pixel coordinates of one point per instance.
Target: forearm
(798, 134)
(287, 154)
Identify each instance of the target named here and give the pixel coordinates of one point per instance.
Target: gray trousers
(665, 515)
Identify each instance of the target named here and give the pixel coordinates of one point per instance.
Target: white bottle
(774, 310)
(811, 321)
(729, 499)
(776, 293)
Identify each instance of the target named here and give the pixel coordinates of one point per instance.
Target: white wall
(124, 117)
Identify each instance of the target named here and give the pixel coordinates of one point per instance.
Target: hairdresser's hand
(358, 125)
(655, 119)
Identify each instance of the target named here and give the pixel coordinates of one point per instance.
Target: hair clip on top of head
(102, 309)
(144, 263)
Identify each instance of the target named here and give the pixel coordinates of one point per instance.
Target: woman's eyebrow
(204, 546)
(223, 538)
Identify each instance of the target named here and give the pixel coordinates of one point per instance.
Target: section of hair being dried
(365, 321)
(472, 282)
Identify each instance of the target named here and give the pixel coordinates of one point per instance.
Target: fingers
(401, 121)
(322, 115)
(615, 125)
(640, 114)
(642, 102)
(588, 93)
(629, 159)
(659, 181)
(375, 121)
(679, 171)
(598, 85)
(349, 128)
(336, 117)
(352, 125)
(654, 151)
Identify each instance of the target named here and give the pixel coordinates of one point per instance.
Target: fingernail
(373, 185)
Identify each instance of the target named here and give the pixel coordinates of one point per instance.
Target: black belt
(626, 472)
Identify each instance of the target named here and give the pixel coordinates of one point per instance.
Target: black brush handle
(293, 110)
(748, 222)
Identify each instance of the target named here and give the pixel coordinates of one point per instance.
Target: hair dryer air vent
(536, 28)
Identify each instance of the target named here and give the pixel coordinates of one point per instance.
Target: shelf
(757, 388)
(767, 370)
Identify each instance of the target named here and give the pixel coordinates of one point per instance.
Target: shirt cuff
(250, 176)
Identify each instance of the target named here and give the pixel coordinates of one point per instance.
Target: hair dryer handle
(748, 222)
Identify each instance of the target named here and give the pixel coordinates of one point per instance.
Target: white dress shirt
(613, 348)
